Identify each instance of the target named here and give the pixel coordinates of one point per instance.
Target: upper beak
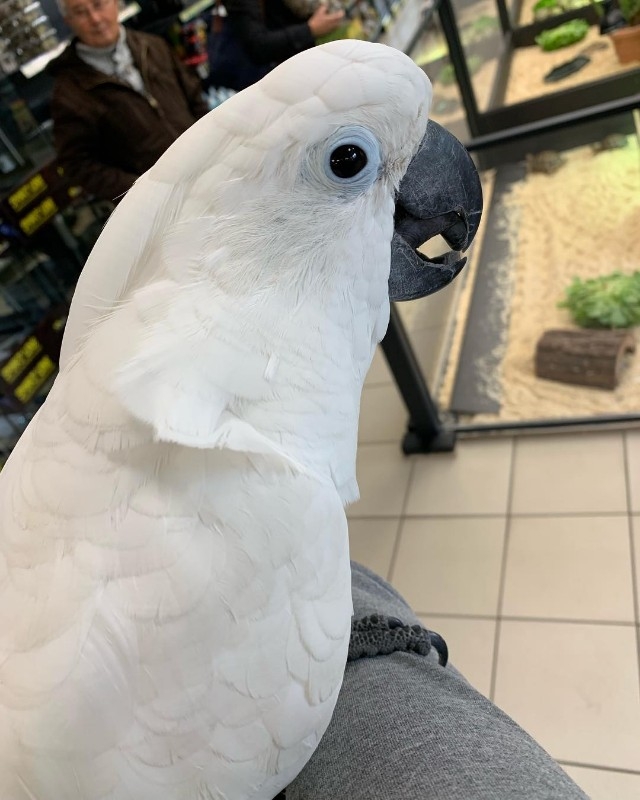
(439, 194)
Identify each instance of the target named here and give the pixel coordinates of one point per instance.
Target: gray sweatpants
(405, 727)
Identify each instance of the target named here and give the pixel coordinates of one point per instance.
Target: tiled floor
(525, 554)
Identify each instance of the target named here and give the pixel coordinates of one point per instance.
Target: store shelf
(192, 11)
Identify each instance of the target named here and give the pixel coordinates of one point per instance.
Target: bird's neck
(322, 360)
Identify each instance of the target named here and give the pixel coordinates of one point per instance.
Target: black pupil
(348, 160)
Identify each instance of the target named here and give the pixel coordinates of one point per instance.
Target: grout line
(405, 500)
(454, 615)
(601, 767)
(503, 572)
(498, 515)
(611, 623)
(632, 550)
(516, 618)
(394, 552)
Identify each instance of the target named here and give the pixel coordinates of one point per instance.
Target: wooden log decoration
(584, 357)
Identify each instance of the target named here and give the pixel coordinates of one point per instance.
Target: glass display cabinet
(506, 79)
(540, 330)
(551, 153)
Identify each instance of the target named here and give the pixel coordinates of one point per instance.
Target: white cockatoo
(174, 572)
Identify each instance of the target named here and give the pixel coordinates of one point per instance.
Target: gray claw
(378, 635)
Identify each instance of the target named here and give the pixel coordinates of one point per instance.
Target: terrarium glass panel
(547, 322)
(431, 53)
(532, 69)
(482, 41)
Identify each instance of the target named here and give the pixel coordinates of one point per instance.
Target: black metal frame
(580, 102)
(426, 433)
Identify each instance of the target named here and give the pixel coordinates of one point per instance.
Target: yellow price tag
(39, 215)
(34, 379)
(26, 193)
(20, 359)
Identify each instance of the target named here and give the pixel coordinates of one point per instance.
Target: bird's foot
(378, 635)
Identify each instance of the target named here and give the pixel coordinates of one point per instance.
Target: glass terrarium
(542, 328)
(534, 60)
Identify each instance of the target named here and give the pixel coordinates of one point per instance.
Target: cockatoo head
(300, 174)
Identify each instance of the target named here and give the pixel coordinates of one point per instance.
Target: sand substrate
(529, 65)
(582, 221)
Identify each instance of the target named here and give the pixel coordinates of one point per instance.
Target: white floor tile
(383, 415)
(633, 464)
(635, 524)
(574, 688)
(470, 643)
(474, 479)
(569, 568)
(450, 565)
(372, 542)
(569, 473)
(379, 372)
(383, 476)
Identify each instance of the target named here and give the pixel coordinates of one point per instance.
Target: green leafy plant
(544, 9)
(565, 34)
(610, 301)
(630, 11)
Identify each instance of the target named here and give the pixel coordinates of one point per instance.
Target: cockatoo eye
(348, 160)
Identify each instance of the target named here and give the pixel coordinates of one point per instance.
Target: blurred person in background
(120, 98)
(271, 31)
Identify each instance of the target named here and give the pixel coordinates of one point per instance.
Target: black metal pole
(503, 14)
(530, 129)
(459, 63)
(426, 432)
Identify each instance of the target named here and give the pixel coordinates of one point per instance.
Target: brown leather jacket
(107, 134)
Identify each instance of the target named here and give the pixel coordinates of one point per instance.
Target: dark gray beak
(439, 194)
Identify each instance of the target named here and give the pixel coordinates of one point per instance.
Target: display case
(508, 82)
(541, 331)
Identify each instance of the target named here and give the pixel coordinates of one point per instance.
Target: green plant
(565, 34)
(610, 301)
(544, 9)
(630, 11)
